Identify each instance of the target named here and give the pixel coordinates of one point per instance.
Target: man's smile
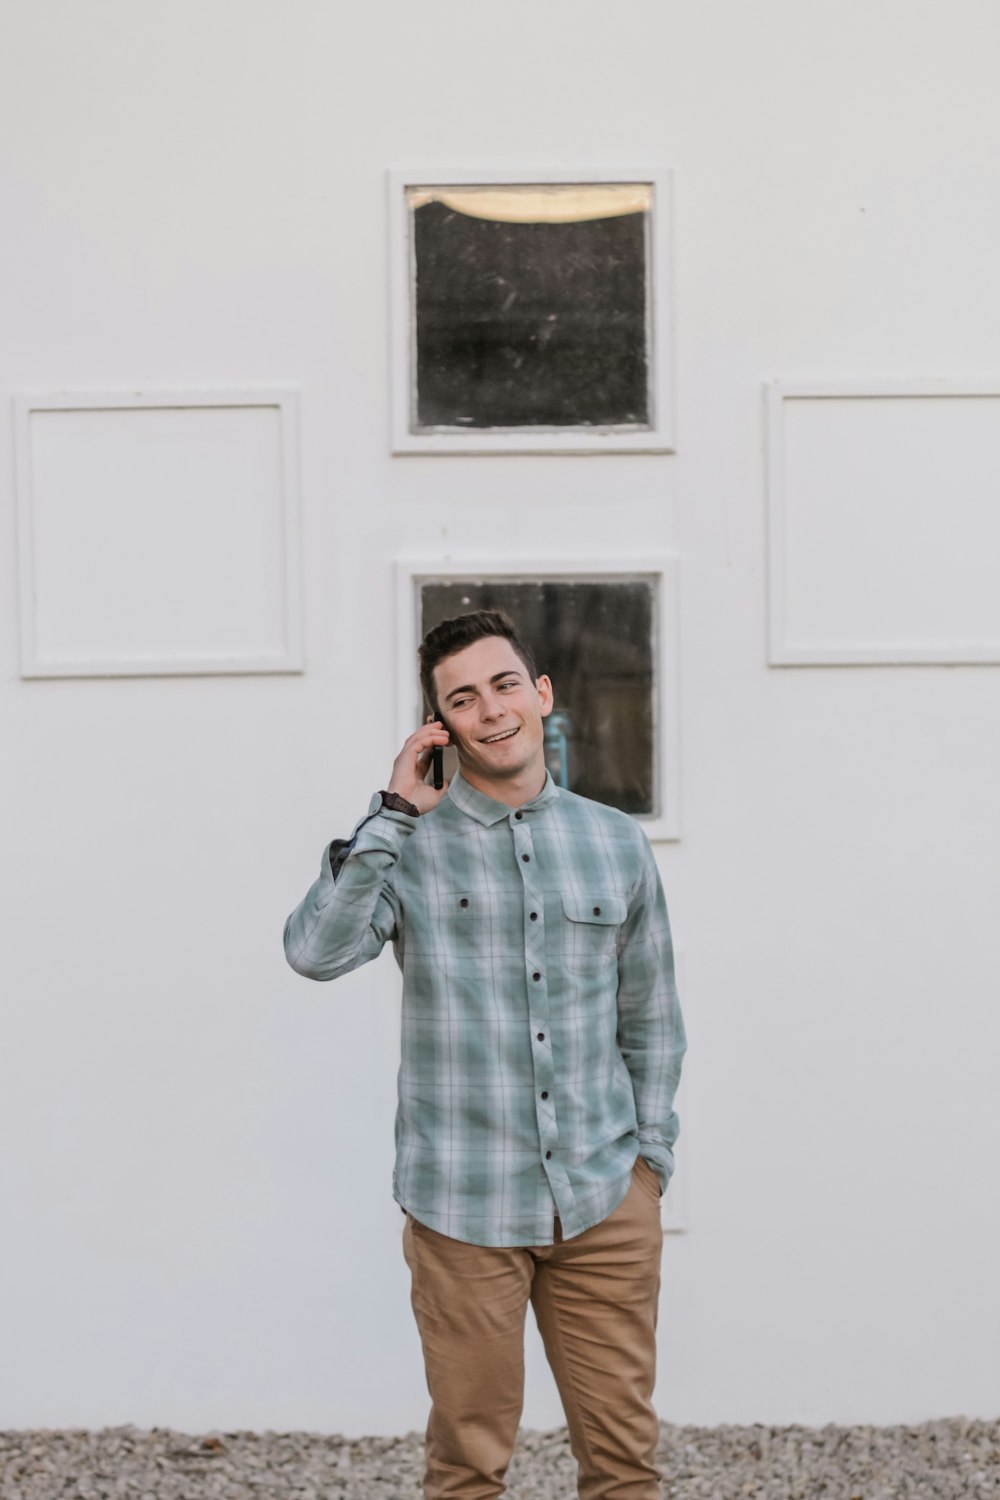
(504, 734)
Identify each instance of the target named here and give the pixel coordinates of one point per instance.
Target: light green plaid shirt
(541, 1034)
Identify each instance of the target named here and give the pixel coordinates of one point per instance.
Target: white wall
(197, 1143)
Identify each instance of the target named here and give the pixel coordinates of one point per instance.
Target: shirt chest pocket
(590, 928)
(466, 926)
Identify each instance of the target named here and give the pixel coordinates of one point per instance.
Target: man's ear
(544, 688)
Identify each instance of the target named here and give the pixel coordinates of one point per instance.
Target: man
(541, 1049)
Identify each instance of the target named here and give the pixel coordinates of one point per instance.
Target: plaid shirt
(541, 1035)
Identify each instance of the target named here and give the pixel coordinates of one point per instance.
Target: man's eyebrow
(470, 687)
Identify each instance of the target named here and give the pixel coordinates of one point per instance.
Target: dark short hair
(463, 630)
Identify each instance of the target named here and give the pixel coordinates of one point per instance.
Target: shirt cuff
(657, 1154)
(383, 830)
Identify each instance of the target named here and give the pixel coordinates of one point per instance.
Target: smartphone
(437, 761)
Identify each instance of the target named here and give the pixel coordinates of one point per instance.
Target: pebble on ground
(956, 1457)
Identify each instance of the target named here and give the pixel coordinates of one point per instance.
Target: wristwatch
(397, 803)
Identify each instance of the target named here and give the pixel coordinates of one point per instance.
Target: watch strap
(396, 803)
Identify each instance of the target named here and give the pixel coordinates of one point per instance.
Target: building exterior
(210, 550)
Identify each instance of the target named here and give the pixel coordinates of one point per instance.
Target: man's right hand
(411, 765)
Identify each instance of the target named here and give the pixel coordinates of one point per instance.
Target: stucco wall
(197, 1143)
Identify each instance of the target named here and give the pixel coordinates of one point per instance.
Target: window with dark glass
(594, 639)
(531, 306)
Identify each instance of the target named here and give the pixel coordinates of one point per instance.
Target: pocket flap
(604, 911)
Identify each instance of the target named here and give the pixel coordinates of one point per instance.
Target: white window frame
(657, 438)
(288, 661)
(665, 571)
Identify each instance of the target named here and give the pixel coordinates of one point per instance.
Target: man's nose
(490, 706)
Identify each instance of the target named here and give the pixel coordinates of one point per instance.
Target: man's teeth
(494, 738)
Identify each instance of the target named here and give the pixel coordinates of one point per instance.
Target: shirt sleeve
(650, 1026)
(348, 915)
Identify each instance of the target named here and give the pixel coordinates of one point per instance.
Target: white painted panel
(155, 538)
(885, 524)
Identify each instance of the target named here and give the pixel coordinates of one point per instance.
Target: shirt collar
(487, 810)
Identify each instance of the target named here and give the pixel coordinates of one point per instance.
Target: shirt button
(545, 1093)
(541, 1036)
(519, 816)
(534, 916)
(464, 901)
(536, 975)
(597, 911)
(547, 1155)
(525, 857)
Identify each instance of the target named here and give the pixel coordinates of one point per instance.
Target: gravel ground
(955, 1457)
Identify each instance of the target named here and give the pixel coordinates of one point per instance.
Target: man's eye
(508, 684)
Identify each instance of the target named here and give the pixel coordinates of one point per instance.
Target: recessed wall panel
(158, 537)
(884, 514)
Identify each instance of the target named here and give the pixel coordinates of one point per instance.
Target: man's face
(493, 712)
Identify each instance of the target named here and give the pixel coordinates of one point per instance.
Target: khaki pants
(595, 1299)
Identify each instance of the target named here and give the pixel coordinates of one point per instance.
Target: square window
(595, 641)
(607, 638)
(530, 315)
(531, 306)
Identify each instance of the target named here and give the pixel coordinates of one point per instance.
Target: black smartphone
(437, 760)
